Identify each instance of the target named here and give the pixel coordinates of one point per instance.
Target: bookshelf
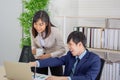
(105, 39)
(105, 50)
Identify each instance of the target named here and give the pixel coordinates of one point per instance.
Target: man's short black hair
(77, 37)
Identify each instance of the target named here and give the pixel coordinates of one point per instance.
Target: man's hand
(56, 78)
(32, 64)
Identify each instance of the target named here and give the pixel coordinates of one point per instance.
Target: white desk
(2, 73)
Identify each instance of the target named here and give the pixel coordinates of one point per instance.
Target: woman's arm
(60, 47)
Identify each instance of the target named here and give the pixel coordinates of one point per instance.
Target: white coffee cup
(39, 52)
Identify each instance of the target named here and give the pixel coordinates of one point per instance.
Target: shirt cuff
(38, 64)
(69, 78)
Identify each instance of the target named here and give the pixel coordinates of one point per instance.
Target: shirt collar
(82, 55)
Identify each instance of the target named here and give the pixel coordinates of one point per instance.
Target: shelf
(103, 38)
(90, 17)
(104, 50)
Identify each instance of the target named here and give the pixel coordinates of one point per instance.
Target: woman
(46, 41)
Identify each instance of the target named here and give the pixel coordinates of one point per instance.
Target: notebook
(20, 71)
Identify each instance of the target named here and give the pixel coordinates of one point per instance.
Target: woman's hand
(33, 51)
(44, 56)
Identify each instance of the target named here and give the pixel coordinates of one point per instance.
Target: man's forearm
(64, 78)
(57, 78)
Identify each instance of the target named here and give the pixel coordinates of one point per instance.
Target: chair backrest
(26, 55)
(101, 68)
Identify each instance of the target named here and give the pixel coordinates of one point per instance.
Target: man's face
(74, 48)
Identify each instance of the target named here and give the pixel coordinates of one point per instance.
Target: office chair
(101, 68)
(26, 55)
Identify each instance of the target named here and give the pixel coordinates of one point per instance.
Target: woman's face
(40, 26)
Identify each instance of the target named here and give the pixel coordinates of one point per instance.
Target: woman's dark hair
(44, 18)
(77, 37)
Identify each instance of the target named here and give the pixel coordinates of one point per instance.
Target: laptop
(20, 71)
(17, 71)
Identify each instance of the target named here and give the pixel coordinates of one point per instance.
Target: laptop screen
(21, 71)
(17, 71)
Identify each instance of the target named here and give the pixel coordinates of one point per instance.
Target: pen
(35, 72)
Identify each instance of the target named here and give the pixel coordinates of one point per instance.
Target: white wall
(10, 30)
(60, 8)
(63, 7)
(64, 13)
(96, 11)
(101, 8)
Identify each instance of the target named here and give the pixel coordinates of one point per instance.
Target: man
(86, 67)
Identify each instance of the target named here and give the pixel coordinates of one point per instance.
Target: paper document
(40, 77)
